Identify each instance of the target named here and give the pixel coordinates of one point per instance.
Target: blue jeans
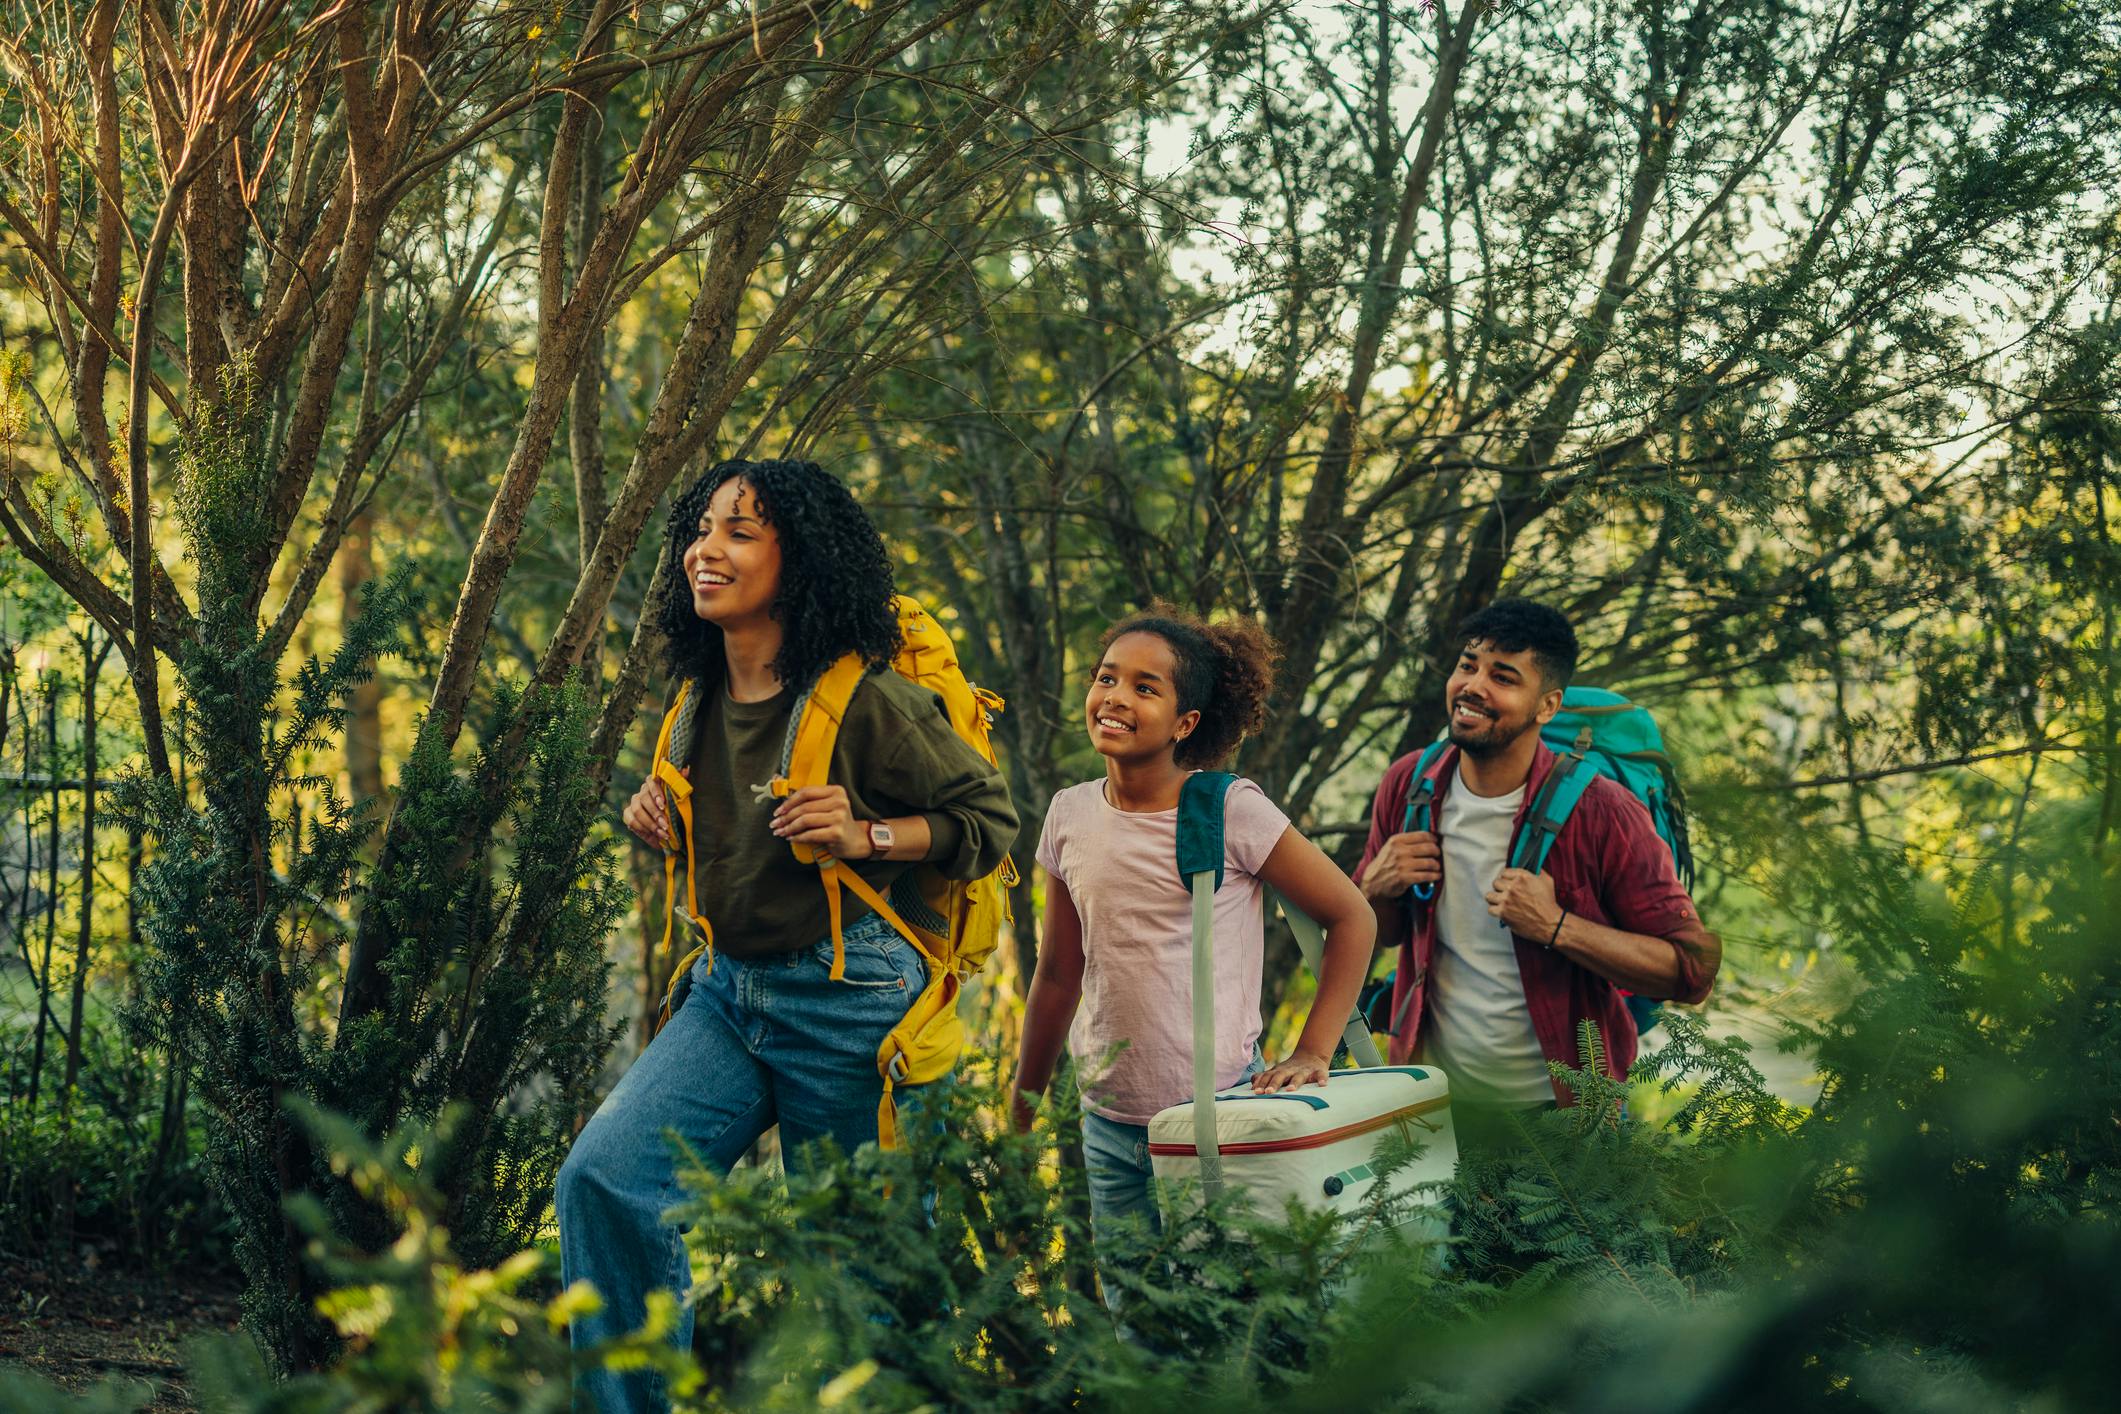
(1122, 1183)
(754, 1044)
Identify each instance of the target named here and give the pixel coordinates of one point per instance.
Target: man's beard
(1492, 741)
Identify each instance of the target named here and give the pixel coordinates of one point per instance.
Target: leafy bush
(474, 979)
(102, 1171)
(941, 1275)
(1939, 1234)
(421, 1330)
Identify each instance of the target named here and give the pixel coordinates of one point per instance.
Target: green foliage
(1938, 1235)
(492, 923)
(26, 1394)
(423, 1329)
(224, 472)
(1593, 1195)
(938, 1276)
(227, 932)
(496, 910)
(141, 1195)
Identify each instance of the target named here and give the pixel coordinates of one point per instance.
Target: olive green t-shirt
(896, 755)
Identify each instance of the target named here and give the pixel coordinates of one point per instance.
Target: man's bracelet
(1556, 935)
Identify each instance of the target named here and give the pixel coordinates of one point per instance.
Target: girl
(1171, 695)
(775, 574)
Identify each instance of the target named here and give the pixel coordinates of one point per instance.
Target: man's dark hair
(1513, 625)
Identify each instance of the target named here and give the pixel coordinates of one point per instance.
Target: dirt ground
(79, 1328)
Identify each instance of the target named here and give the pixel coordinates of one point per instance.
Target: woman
(775, 574)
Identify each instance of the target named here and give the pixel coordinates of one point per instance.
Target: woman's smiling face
(1132, 706)
(734, 561)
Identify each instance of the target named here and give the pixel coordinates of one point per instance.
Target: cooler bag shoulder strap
(1200, 823)
(1311, 942)
(1206, 1144)
(1200, 864)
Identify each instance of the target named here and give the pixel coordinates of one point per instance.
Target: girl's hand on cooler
(1301, 1068)
(821, 817)
(648, 814)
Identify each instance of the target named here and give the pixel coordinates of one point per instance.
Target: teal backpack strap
(1200, 864)
(1551, 808)
(1421, 799)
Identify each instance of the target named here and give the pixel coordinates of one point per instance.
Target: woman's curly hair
(1225, 671)
(836, 580)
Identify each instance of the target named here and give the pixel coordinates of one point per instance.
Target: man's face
(1495, 698)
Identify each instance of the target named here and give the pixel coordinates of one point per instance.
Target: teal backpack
(1596, 733)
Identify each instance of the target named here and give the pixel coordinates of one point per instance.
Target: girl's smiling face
(734, 562)
(1132, 706)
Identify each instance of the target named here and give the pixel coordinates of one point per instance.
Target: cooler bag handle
(1200, 863)
(1311, 942)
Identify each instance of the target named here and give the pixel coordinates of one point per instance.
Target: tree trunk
(51, 890)
(91, 668)
(585, 412)
(169, 1141)
(364, 720)
(64, 1180)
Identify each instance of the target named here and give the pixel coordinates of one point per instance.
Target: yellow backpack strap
(823, 708)
(677, 791)
(680, 791)
(834, 877)
(659, 769)
(817, 729)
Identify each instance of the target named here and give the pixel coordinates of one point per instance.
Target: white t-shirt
(1479, 1027)
(1121, 869)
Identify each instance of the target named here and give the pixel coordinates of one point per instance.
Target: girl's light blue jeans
(1122, 1184)
(754, 1044)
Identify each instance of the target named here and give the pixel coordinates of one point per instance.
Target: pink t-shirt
(1121, 868)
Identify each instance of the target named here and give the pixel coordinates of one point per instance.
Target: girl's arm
(1056, 990)
(1310, 881)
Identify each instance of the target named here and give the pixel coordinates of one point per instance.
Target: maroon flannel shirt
(1608, 865)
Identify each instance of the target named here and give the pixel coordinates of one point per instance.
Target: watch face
(880, 837)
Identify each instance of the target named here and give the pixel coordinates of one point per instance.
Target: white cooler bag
(1319, 1144)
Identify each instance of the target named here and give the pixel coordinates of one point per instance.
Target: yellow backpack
(954, 924)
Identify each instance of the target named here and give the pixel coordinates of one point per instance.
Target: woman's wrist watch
(880, 839)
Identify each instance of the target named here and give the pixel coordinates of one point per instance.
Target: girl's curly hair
(1225, 670)
(836, 580)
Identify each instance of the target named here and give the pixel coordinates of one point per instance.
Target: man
(1498, 969)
